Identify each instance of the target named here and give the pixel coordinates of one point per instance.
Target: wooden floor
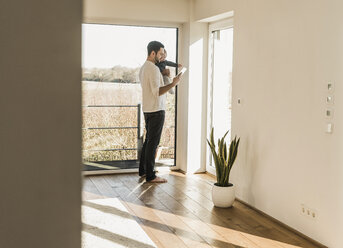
(180, 213)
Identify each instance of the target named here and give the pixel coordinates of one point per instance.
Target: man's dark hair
(154, 46)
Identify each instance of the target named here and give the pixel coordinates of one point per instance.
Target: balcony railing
(139, 134)
(138, 127)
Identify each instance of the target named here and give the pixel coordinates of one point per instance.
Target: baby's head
(164, 55)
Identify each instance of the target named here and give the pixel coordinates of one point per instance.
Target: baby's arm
(169, 63)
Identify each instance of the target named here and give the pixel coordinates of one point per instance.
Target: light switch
(329, 113)
(329, 127)
(330, 86)
(329, 100)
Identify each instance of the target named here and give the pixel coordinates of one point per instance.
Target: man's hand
(179, 65)
(176, 80)
(166, 88)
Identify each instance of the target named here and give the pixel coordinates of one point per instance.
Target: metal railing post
(138, 128)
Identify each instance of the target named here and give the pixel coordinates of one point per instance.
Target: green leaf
(224, 157)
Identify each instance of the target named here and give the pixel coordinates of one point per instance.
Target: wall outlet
(308, 212)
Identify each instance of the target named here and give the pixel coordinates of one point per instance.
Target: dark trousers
(153, 124)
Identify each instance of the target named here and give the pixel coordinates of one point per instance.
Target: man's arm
(166, 88)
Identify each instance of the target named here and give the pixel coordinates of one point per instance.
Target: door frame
(213, 26)
(178, 29)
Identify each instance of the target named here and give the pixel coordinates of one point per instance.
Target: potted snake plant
(223, 192)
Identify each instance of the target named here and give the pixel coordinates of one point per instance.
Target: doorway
(220, 82)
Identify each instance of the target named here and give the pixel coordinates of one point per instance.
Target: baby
(166, 72)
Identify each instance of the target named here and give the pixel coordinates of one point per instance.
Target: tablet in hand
(183, 70)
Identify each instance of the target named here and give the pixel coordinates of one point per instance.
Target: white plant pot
(223, 197)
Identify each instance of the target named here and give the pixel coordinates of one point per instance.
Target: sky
(105, 46)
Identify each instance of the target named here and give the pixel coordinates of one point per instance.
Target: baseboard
(211, 175)
(181, 171)
(282, 224)
(275, 220)
(107, 172)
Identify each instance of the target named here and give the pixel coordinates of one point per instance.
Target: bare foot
(158, 180)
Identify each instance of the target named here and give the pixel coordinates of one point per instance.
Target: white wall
(204, 9)
(182, 102)
(136, 12)
(40, 144)
(284, 53)
(196, 82)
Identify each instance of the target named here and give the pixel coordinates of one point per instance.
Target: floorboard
(180, 213)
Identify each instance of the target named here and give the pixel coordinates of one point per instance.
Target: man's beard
(156, 60)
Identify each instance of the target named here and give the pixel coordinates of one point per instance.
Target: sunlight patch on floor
(210, 231)
(107, 224)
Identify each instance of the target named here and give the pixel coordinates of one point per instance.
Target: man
(153, 101)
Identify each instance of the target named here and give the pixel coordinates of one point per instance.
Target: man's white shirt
(151, 80)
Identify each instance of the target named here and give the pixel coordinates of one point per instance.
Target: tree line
(116, 74)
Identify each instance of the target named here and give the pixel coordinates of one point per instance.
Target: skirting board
(105, 172)
(283, 224)
(277, 221)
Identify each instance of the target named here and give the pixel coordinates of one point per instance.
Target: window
(113, 123)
